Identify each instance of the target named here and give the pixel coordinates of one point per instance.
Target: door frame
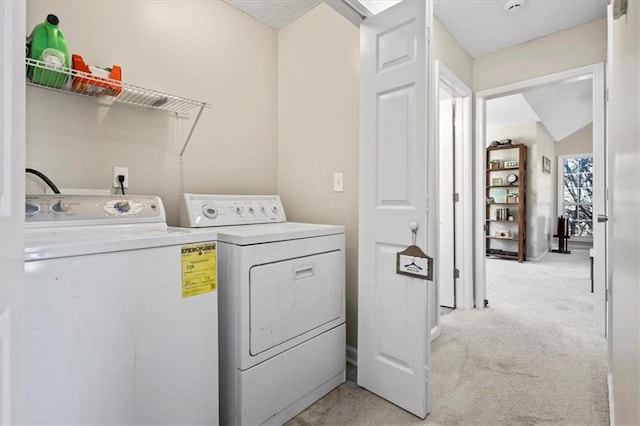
(463, 185)
(12, 162)
(596, 73)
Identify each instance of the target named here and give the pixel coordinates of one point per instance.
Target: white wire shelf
(76, 82)
(63, 79)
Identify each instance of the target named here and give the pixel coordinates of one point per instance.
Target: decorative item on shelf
(511, 163)
(496, 182)
(512, 179)
(490, 200)
(510, 218)
(103, 82)
(494, 164)
(512, 198)
(503, 233)
(502, 214)
(501, 142)
(546, 165)
(499, 195)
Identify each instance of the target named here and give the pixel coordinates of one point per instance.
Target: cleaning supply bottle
(48, 45)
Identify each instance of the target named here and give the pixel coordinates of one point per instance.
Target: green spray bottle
(46, 38)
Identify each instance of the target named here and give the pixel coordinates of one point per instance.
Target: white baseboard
(539, 258)
(612, 419)
(352, 355)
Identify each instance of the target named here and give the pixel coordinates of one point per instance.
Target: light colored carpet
(532, 357)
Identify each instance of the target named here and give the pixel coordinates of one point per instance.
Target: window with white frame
(576, 193)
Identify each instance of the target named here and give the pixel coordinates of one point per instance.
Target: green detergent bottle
(48, 45)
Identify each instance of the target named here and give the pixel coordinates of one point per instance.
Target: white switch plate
(120, 171)
(338, 182)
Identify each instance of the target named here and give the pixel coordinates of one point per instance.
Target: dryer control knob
(31, 209)
(263, 210)
(59, 207)
(274, 209)
(122, 206)
(251, 210)
(238, 210)
(210, 211)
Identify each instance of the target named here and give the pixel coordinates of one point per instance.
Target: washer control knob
(31, 209)
(59, 207)
(263, 210)
(238, 210)
(122, 206)
(251, 210)
(274, 209)
(210, 211)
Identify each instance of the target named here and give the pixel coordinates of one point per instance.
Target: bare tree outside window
(578, 195)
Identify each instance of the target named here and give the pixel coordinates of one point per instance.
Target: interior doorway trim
(594, 72)
(463, 182)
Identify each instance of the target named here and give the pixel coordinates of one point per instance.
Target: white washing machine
(282, 306)
(121, 314)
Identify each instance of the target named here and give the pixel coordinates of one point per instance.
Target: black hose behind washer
(44, 177)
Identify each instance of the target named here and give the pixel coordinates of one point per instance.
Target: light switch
(338, 182)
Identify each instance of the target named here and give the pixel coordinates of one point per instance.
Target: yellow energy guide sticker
(198, 269)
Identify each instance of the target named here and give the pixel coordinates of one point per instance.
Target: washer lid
(271, 232)
(50, 243)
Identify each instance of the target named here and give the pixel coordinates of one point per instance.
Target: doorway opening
(560, 120)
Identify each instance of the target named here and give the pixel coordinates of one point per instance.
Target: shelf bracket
(195, 122)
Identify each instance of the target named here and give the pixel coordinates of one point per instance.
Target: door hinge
(428, 33)
(456, 273)
(606, 95)
(456, 197)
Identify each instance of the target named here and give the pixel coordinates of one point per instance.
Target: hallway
(531, 357)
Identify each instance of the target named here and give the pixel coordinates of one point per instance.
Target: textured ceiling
(562, 108)
(480, 26)
(483, 26)
(275, 13)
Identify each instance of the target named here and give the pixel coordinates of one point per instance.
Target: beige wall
(447, 50)
(540, 193)
(579, 142)
(625, 222)
(545, 198)
(318, 63)
(578, 46)
(209, 51)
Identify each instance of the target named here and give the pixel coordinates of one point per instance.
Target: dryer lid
(271, 232)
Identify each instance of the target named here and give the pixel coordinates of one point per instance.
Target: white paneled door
(396, 178)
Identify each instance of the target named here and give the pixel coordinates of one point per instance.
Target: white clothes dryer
(282, 306)
(121, 324)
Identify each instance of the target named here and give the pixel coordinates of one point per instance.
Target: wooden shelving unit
(515, 247)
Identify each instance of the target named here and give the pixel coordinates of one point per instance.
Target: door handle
(414, 232)
(603, 218)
